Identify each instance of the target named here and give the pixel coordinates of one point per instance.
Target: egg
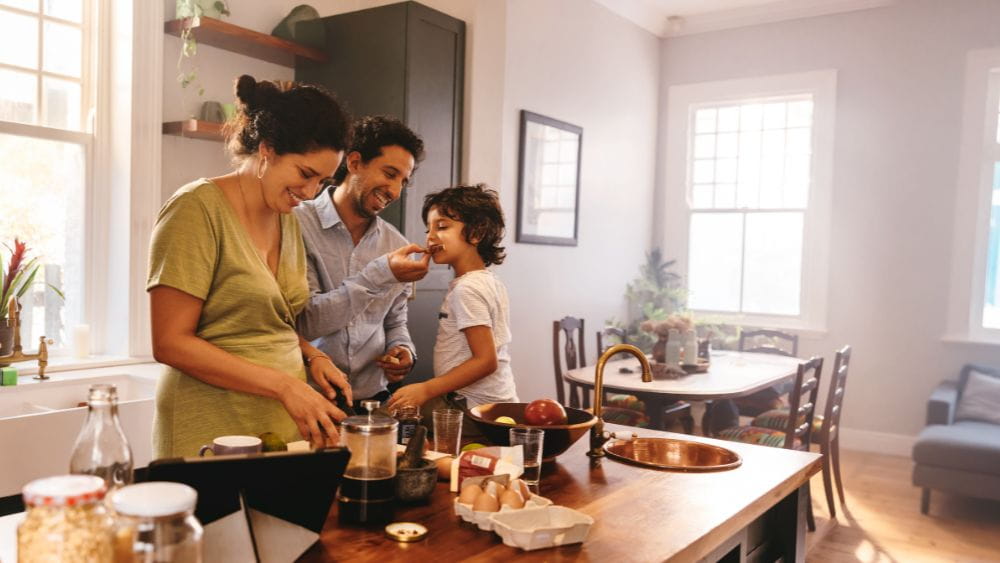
(469, 494)
(486, 503)
(512, 499)
(520, 486)
(444, 468)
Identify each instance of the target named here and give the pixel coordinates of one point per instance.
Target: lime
(472, 446)
(272, 443)
(505, 420)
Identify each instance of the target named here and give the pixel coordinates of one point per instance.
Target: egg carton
(482, 518)
(538, 528)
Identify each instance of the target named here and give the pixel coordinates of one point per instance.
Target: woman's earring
(261, 168)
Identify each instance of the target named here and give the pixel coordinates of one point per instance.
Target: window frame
(979, 151)
(675, 209)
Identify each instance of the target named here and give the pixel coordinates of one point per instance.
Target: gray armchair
(961, 457)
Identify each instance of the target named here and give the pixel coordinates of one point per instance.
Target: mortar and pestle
(416, 477)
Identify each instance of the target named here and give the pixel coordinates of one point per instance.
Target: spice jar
(408, 417)
(156, 523)
(66, 521)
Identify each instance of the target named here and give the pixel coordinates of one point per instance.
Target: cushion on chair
(967, 445)
(754, 435)
(980, 399)
(626, 417)
(778, 420)
(625, 402)
(759, 402)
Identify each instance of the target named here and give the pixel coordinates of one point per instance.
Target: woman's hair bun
(246, 90)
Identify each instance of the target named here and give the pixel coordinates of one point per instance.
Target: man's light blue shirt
(357, 307)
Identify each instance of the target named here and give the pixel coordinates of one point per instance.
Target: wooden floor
(883, 522)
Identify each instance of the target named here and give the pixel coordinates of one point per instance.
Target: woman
(227, 276)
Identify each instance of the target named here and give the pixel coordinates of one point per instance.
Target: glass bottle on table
(101, 448)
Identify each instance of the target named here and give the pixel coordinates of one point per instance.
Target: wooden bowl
(558, 437)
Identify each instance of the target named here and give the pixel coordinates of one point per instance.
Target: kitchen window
(47, 143)
(986, 310)
(748, 173)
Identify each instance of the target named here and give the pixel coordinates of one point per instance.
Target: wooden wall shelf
(224, 35)
(194, 128)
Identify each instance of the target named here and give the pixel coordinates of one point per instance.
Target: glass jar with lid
(65, 521)
(156, 523)
(409, 418)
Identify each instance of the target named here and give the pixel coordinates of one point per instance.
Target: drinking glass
(531, 439)
(447, 431)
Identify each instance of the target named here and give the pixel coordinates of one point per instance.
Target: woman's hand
(414, 394)
(313, 414)
(327, 376)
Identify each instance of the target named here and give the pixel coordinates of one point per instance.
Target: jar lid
(64, 490)
(154, 499)
(374, 424)
(406, 531)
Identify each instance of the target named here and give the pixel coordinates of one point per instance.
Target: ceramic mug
(228, 445)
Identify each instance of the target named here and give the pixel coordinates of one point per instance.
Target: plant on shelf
(190, 11)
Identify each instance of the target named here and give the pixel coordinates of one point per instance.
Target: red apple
(544, 412)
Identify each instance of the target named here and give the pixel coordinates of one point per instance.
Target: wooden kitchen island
(755, 512)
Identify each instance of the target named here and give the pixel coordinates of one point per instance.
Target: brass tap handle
(597, 434)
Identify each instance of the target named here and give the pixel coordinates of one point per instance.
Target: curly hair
(479, 208)
(373, 132)
(288, 116)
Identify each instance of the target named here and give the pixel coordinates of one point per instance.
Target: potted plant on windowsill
(16, 278)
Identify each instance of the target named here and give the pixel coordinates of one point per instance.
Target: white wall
(599, 72)
(899, 110)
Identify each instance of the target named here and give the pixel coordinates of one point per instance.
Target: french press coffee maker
(367, 490)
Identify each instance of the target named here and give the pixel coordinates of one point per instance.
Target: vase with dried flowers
(681, 322)
(18, 275)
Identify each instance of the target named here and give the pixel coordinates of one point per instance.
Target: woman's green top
(200, 247)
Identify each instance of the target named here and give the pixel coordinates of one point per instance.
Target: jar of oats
(66, 520)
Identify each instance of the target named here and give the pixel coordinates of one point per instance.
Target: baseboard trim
(878, 442)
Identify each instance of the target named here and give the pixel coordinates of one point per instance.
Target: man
(359, 265)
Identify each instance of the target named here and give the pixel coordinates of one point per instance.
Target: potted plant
(16, 278)
(190, 11)
(653, 296)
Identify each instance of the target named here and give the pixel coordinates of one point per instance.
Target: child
(471, 360)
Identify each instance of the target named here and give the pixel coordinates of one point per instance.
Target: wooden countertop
(641, 514)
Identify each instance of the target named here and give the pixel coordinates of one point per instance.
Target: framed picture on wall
(548, 184)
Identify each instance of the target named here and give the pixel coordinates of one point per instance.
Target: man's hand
(415, 394)
(406, 269)
(396, 363)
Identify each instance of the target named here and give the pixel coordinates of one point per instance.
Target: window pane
(43, 195)
(704, 171)
(800, 114)
(715, 244)
(63, 49)
(704, 146)
(704, 120)
(729, 118)
(772, 263)
(62, 104)
(991, 302)
(71, 10)
(18, 97)
(774, 115)
(19, 40)
(750, 116)
(29, 5)
(701, 196)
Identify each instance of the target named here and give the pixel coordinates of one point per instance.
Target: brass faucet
(17, 355)
(597, 435)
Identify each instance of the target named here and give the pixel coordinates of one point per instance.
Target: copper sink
(670, 453)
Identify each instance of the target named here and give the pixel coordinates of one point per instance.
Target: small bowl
(416, 483)
(558, 437)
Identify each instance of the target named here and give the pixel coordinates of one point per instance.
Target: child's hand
(396, 363)
(416, 394)
(405, 269)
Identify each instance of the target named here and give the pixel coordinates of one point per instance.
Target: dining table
(729, 374)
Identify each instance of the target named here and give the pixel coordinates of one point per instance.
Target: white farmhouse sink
(39, 420)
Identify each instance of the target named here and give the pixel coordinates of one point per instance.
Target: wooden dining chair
(766, 341)
(573, 356)
(677, 411)
(798, 431)
(829, 433)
